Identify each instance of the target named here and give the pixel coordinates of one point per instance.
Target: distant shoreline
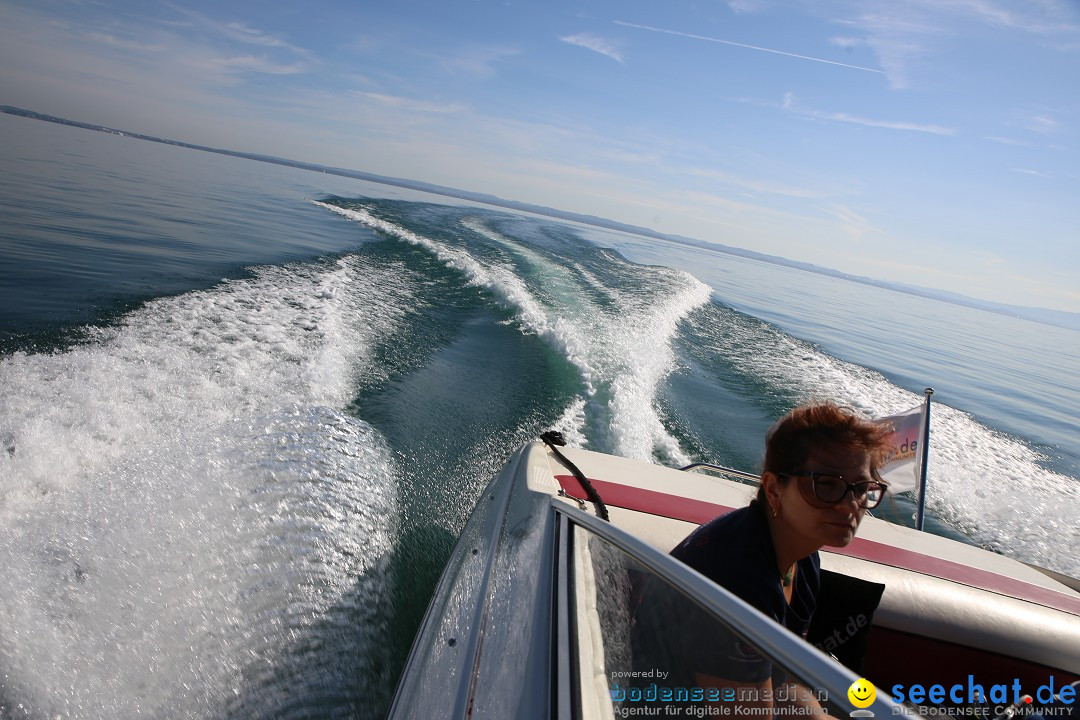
(1057, 318)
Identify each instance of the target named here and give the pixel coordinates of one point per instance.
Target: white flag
(901, 467)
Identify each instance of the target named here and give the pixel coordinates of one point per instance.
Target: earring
(775, 511)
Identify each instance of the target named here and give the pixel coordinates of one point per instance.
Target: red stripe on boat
(699, 511)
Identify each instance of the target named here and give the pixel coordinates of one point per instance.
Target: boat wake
(669, 376)
(619, 335)
(192, 517)
(982, 483)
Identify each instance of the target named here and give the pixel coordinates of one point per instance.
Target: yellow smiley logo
(862, 693)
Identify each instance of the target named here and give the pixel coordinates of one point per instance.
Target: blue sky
(932, 142)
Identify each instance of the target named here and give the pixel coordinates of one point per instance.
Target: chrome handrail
(731, 471)
(796, 655)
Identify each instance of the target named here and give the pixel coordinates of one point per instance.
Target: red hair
(790, 440)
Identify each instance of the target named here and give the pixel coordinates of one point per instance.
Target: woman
(820, 477)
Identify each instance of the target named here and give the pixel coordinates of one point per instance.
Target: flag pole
(925, 457)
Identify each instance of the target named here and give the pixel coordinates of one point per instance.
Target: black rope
(553, 438)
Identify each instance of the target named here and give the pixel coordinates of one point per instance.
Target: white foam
(623, 352)
(572, 424)
(186, 497)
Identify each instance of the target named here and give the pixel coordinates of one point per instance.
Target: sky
(928, 142)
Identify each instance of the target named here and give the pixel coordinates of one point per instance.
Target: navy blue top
(736, 551)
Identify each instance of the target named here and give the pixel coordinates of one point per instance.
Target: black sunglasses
(832, 489)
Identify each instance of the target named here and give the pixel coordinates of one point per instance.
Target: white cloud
(253, 36)
(478, 60)
(989, 259)
(1047, 17)
(855, 225)
(747, 6)
(741, 7)
(238, 31)
(757, 186)
(1008, 141)
(121, 44)
(898, 42)
(1036, 173)
(790, 105)
(252, 63)
(906, 36)
(846, 42)
(1038, 123)
(412, 105)
(887, 124)
(595, 43)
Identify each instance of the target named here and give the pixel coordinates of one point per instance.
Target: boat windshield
(640, 642)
